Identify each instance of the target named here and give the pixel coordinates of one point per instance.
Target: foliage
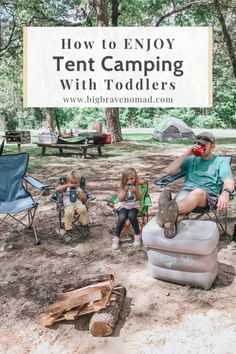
(14, 14)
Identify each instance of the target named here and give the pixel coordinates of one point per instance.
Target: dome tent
(173, 129)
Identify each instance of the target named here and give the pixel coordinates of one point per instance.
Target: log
(89, 281)
(104, 287)
(103, 322)
(54, 311)
(69, 303)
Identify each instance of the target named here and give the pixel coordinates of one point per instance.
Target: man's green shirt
(206, 174)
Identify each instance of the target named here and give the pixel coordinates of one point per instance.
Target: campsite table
(74, 147)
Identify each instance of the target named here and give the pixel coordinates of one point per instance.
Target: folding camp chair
(222, 226)
(14, 196)
(143, 215)
(58, 198)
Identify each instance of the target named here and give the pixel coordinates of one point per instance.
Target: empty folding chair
(16, 203)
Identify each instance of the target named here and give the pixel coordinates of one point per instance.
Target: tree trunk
(49, 115)
(103, 322)
(115, 13)
(113, 124)
(227, 37)
(112, 114)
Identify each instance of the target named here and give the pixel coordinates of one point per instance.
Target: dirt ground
(157, 316)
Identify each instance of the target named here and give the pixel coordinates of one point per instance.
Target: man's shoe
(68, 237)
(115, 243)
(170, 219)
(137, 241)
(85, 232)
(164, 198)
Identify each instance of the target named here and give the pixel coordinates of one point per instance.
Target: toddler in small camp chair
(73, 199)
(128, 206)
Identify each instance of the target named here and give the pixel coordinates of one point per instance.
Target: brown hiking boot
(164, 198)
(170, 219)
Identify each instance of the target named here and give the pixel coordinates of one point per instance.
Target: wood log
(89, 281)
(69, 303)
(103, 322)
(104, 287)
(48, 320)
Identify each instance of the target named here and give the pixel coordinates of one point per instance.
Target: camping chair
(14, 196)
(222, 226)
(143, 215)
(58, 198)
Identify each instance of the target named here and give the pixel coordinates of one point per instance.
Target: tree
(227, 36)
(112, 113)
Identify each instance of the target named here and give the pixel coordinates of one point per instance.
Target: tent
(173, 129)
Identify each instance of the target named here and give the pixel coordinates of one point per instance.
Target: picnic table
(73, 147)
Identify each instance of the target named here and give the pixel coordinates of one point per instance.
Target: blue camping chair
(222, 226)
(14, 197)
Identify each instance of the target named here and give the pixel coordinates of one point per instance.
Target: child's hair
(124, 177)
(74, 174)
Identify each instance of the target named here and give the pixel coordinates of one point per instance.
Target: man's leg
(185, 202)
(191, 200)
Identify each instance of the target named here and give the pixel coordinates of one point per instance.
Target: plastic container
(106, 138)
(73, 195)
(199, 149)
(48, 137)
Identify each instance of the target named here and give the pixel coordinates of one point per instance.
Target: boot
(68, 237)
(170, 219)
(164, 198)
(84, 231)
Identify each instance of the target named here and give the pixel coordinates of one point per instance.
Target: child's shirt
(128, 204)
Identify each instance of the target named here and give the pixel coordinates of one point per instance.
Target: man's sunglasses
(205, 138)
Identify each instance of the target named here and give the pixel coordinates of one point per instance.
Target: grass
(136, 138)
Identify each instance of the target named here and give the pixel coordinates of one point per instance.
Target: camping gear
(103, 139)
(198, 150)
(19, 137)
(173, 129)
(189, 258)
(48, 137)
(14, 197)
(208, 210)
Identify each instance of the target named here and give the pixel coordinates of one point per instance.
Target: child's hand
(72, 185)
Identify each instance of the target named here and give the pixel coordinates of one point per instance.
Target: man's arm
(223, 200)
(174, 167)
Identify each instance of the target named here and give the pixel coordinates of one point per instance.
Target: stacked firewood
(98, 294)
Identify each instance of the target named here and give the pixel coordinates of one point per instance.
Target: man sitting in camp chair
(208, 182)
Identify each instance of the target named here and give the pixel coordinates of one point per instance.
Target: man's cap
(205, 137)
